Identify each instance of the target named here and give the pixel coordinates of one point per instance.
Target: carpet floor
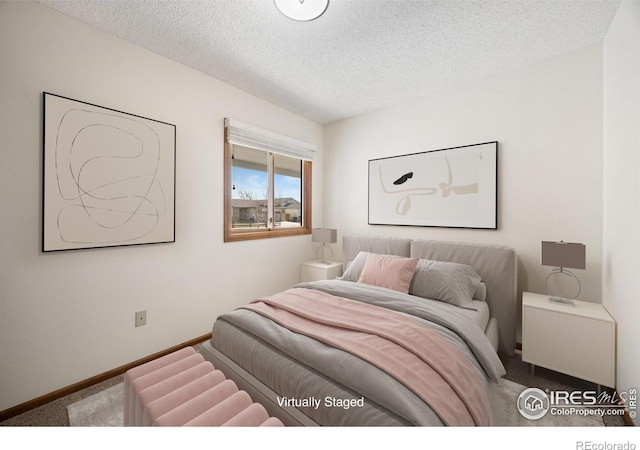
(99, 409)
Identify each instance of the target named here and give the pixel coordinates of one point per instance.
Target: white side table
(318, 270)
(577, 340)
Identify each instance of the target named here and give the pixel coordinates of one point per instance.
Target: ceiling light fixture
(302, 10)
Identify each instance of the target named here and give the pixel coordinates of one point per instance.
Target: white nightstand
(318, 270)
(577, 340)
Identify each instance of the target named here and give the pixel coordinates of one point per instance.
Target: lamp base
(561, 271)
(321, 256)
(562, 301)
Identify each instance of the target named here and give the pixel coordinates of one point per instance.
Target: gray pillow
(481, 292)
(445, 281)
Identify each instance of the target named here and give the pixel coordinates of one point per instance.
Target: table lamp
(563, 255)
(326, 236)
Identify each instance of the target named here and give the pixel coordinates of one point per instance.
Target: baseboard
(31, 404)
(518, 346)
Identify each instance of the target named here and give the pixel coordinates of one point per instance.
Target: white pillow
(354, 268)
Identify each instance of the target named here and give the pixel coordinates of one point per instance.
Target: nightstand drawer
(575, 340)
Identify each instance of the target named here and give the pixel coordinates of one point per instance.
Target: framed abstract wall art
(108, 177)
(452, 187)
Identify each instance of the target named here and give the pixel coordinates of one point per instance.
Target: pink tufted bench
(182, 389)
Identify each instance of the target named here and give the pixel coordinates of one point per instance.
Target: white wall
(68, 316)
(547, 118)
(621, 242)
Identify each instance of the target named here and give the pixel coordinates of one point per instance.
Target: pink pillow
(392, 272)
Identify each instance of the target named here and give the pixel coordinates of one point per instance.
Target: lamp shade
(324, 235)
(563, 254)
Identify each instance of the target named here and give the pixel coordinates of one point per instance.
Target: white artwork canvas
(454, 187)
(109, 177)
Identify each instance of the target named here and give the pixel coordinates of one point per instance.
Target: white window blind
(240, 133)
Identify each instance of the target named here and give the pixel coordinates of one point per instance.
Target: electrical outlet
(141, 318)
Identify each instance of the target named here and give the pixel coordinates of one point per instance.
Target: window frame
(234, 235)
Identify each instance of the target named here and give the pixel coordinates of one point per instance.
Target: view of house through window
(287, 192)
(257, 202)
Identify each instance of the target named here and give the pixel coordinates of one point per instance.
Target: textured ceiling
(360, 55)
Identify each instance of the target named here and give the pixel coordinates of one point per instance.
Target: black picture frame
(453, 187)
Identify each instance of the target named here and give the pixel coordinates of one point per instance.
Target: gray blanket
(302, 369)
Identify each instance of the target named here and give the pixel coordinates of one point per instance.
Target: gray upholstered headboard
(496, 265)
(352, 245)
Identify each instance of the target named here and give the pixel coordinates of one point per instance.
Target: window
(267, 184)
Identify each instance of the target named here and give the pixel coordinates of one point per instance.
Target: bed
(373, 348)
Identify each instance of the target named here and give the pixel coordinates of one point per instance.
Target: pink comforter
(411, 352)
